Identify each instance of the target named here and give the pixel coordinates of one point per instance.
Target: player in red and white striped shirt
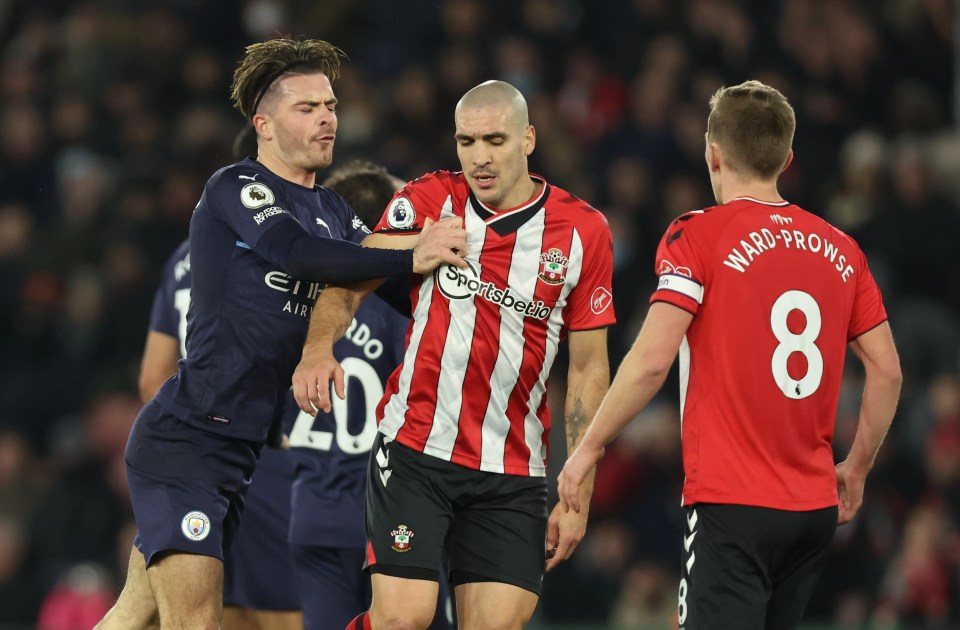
(460, 462)
(761, 299)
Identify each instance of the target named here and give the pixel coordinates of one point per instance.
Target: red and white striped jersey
(472, 385)
(776, 294)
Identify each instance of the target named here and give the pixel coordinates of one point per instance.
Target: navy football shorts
(186, 485)
(750, 567)
(257, 568)
(494, 525)
(334, 588)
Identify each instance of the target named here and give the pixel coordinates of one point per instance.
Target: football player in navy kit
(260, 252)
(258, 590)
(330, 452)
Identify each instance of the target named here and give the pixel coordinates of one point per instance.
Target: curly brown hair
(265, 62)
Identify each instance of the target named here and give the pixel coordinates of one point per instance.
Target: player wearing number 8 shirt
(761, 299)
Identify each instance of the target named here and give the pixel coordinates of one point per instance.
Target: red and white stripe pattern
(472, 387)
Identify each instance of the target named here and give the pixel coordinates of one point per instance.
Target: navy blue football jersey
(172, 300)
(330, 452)
(258, 570)
(247, 319)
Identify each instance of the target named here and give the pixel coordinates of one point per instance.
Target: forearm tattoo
(577, 421)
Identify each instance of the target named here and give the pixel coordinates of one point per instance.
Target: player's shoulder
(435, 181)
(576, 209)
(177, 265)
(180, 253)
(815, 222)
(248, 180)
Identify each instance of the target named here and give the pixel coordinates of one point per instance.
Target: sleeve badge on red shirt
(600, 300)
(400, 214)
(666, 266)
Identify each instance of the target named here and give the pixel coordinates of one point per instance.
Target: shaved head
(494, 139)
(496, 94)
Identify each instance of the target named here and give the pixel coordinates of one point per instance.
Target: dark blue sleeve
(257, 214)
(329, 260)
(163, 316)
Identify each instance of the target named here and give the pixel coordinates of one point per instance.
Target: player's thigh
(278, 620)
(408, 511)
(723, 583)
(136, 607)
(498, 532)
(187, 588)
(332, 585)
(237, 618)
(402, 602)
(795, 575)
(493, 606)
(258, 568)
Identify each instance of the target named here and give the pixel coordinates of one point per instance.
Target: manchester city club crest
(195, 526)
(401, 539)
(553, 266)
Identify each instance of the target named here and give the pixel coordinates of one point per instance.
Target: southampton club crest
(401, 539)
(553, 267)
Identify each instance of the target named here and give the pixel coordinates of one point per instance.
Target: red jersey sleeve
(591, 301)
(680, 267)
(868, 309)
(423, 198)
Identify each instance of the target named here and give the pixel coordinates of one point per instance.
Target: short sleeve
(679, 268)
(591, 301)
(868, 310)
(413, 204)
(163, 314)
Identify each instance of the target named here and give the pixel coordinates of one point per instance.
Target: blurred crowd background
(113, 113)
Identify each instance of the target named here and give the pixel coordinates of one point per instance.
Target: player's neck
(287, 172)
(760, 190)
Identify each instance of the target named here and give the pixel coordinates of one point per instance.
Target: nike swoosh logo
(688, 540)
(254, 178)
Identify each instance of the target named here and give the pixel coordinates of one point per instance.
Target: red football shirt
(776, 294)
(472, 385)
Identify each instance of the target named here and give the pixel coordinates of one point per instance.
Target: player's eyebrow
(496, 135)
(327, 101)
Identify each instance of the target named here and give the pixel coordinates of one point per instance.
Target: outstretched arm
(881, 391)
(329, 321)
(640, 377)
(587, 380)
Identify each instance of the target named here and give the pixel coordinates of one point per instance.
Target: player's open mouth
(484, 181)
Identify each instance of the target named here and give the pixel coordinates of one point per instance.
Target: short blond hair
(265, 62)
(753, 124)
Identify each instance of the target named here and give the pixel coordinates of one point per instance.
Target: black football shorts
(750, 567)
(422, 510)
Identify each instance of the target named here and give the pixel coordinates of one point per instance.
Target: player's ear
(788, 161)
(529, 140)
(714, 156)
(263, 126)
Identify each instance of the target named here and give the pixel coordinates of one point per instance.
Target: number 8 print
(804, 343)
